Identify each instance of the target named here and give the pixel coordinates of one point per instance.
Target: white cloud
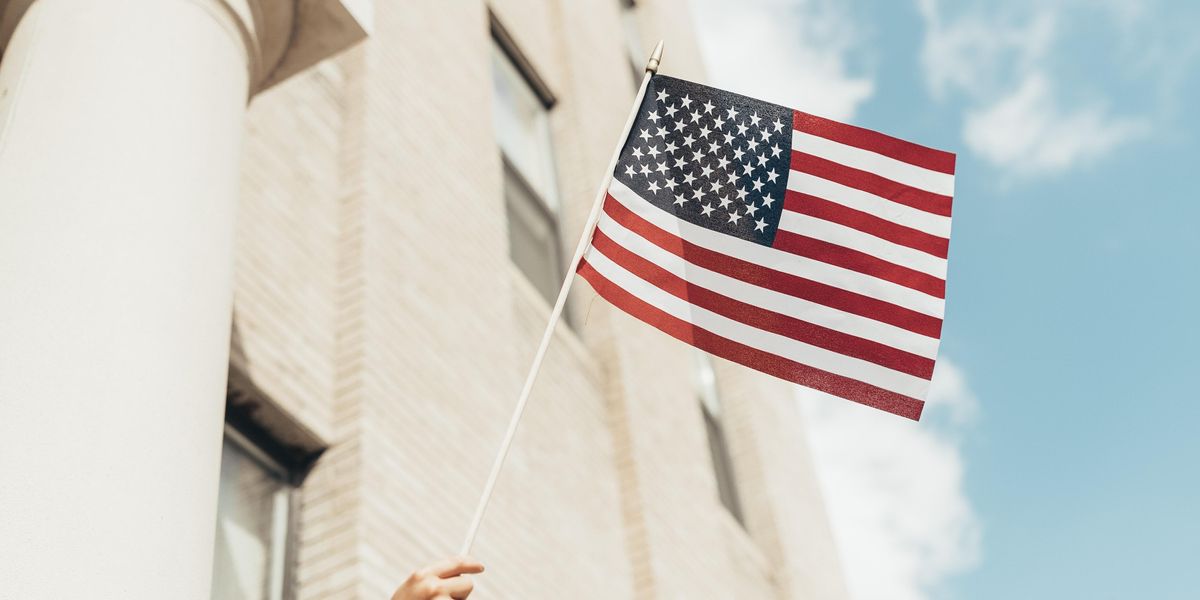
(792, 53)
(1001, 62)
(1030, 133)
(894, 489)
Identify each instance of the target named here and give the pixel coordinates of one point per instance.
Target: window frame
(272, 437)
(507, 46)
(252, 444)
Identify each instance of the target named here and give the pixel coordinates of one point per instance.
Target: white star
(718, 122)
(766, 137)
(725, 201)
(767, 201)
(714, 147)
(653, 116)
(757, 184)
(708, 106)
(741, 127)
(760, 225)
(645, 169)
(741, 194)
(695, 157)
(653, 187)
(670, 183)
(775, 150)
(762, 160)
(688, 141)
(679, 201)
(688, 178)
(679, 125)
(662, 168)
(662, 132)
(729, 137)
(637, 152)
(738, 153)
(652, 151)
(671, 110)
(734, 217)
(752, 143)
(645, 135)
(629, 171)
(750, 210)
(722, 162)
(747, 169)
(713, 188)
(695, 115)
(679, 162)
(662, 95)
(733, 113)
(705, 132)
(706, 209)
(772, 176)
(733, 177)
(706, 171)
(754, 119)
(671, 148)
(697, 195)
(777, 125)
(685, 101)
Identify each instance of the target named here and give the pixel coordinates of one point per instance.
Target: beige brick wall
(376, 304)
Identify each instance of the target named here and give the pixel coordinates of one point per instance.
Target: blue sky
(1059, 458)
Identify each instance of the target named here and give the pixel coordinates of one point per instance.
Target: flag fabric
(799, 246)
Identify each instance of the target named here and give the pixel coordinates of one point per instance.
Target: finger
(458, 565)
(458, 587)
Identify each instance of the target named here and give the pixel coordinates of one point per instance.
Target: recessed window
(253, 524)
(522, 124)
(722, 460)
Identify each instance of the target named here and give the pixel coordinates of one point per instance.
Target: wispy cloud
(894, 489)
(791, 52)
(1029, 132)
(999, 57)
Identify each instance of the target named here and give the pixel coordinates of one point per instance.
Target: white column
(121, 125)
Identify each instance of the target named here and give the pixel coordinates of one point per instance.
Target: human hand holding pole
(448, 579)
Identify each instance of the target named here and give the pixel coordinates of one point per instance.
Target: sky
(1058, 457)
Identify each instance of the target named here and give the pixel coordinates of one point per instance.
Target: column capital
(281, 37)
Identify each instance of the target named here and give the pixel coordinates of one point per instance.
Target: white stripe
(869, 203)
(849, 237)
(778, 260)
(820, 358)
(866, 160)
(817, 314)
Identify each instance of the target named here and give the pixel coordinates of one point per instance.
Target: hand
(443, 580)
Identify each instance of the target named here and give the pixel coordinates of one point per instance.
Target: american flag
(799, 246)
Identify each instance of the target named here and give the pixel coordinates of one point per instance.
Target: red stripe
(784, 283)
(872, 183)
(866, 223)
(914, 154)
(862, 262)
(761, 318)
(772, 364)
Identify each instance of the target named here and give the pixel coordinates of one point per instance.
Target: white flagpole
(556, 313)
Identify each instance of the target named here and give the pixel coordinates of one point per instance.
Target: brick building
(412, 177)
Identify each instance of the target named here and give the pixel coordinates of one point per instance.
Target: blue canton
(715, 159)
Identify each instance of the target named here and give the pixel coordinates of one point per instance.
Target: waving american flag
(805, 248)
